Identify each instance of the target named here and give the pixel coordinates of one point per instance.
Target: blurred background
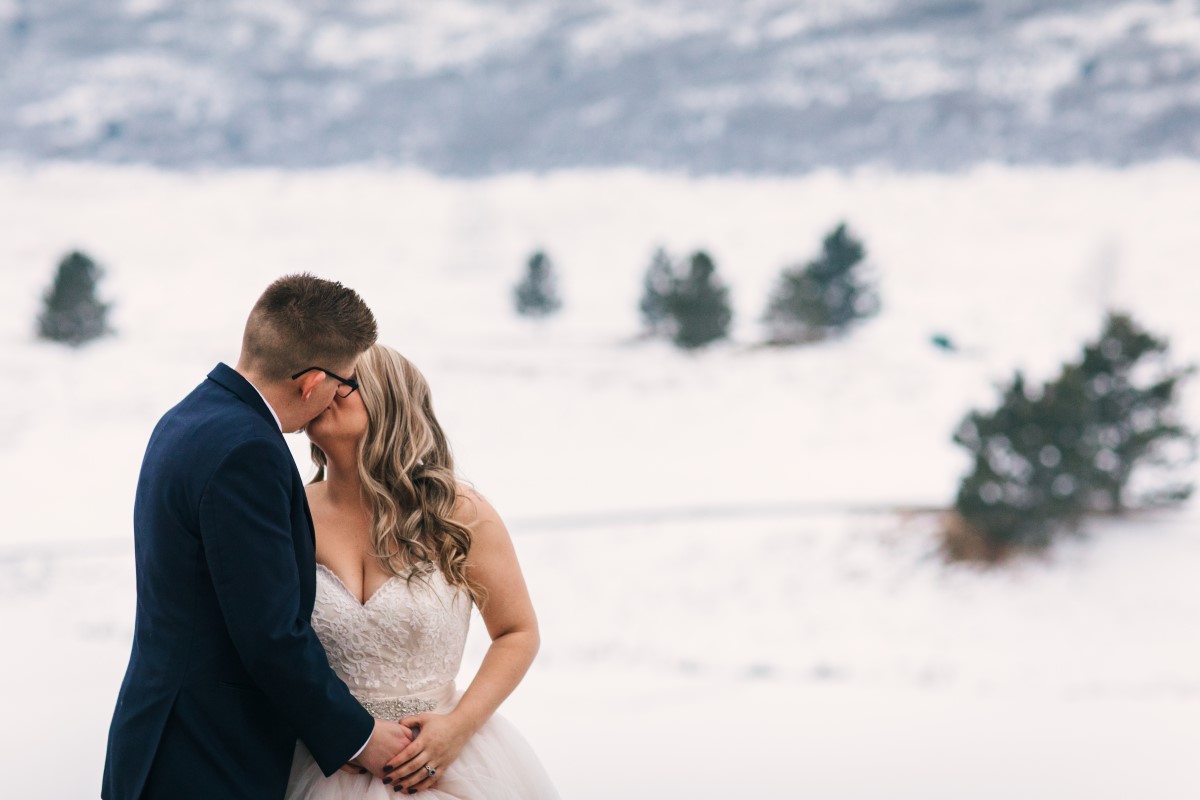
(829, 361)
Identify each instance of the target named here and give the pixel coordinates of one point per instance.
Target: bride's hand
(440, 739)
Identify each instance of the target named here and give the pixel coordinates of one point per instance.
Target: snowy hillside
(722, 545)
(484, 86)
(1015, 266)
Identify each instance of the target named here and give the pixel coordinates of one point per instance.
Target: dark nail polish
(387, 769)
(387, 780)
(412, 791)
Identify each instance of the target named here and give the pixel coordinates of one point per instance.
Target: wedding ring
(430, 770)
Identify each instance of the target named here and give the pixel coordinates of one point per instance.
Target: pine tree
(699, 305)
(1046, 458)
(824, 297)
(71, 312)
(657, 287)
(537, 293)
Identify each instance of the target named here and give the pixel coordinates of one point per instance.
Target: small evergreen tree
(1046, 458)
(699, 305)
(824, 297)
(657, 287)
(537, 293)
(71, 312)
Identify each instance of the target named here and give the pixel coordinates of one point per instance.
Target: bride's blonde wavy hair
(407, 475)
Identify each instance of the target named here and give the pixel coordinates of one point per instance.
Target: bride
(404, 550)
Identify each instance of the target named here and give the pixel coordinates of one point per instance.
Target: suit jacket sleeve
(245, 524)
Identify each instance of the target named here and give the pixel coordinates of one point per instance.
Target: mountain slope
(471, 87)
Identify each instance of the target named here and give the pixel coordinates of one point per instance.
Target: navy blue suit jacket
(226, 672)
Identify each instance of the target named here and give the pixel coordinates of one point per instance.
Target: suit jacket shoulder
(192, 439)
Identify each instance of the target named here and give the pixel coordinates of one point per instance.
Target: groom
(225, 673)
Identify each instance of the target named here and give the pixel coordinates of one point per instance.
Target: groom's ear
(309, 383)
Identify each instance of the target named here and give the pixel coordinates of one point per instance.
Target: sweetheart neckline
(361, 604)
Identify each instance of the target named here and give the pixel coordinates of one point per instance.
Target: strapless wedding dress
(399, 653)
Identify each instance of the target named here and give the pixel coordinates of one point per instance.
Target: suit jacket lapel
(312, 528)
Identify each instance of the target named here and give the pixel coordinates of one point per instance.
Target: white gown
(399, 653)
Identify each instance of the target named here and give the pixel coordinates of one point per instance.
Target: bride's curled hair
(407, 474)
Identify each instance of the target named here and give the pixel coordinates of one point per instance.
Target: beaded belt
(396, 708)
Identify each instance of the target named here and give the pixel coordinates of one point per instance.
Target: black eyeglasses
(347, 387)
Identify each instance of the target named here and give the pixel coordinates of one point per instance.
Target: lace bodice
(406, 639)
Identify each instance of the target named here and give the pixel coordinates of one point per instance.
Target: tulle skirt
(496, 764)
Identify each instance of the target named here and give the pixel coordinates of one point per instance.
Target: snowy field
(736, 597)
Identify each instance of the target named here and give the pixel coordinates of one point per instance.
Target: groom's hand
(387, 739)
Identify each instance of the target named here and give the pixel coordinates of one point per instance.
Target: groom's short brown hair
(302, 321)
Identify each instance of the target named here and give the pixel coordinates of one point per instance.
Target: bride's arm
(507, 612)
(512, 624)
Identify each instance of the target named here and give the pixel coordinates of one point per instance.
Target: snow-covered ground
(730, 603)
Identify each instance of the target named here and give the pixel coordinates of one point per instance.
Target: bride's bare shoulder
(472, 509)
